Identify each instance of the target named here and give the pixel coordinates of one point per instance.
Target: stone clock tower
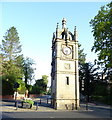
(64, 73)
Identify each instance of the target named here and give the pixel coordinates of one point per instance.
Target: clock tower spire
(63, 23)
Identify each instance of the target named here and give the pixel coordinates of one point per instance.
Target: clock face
(66, 50)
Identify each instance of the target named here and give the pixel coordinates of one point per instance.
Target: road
(94, 111)
(57, 114)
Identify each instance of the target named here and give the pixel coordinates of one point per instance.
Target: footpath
(9, 106)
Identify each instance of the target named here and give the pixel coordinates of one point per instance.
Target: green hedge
(29, 101)
(102, 99)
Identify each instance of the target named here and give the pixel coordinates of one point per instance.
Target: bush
(34, 90)
(7, 88)
(101, 94)
(29, 101)
(102, 99)
(22, 87)
(100, 90)
(29, 87)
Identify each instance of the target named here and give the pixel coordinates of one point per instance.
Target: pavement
(8, 110)
(8, 106)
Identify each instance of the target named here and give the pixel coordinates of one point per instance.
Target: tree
(0, 65)
(11, 47)
(45, 80)
(28, 70)
(102, 31)
(22, 86)
(40, 86)
(88, 75)
(82, 59)
(81, 55)
(11, 58)
(10, 52)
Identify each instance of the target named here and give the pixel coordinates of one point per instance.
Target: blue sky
(36, 22)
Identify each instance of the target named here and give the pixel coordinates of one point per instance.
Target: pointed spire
(53, 38)
(53, 35)
(63, 23)
(74, 29)
(75, 34)
(57, 31)
(57, 25)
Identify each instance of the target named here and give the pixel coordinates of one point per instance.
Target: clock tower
(64, 71)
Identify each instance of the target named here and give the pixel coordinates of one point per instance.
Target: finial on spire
(75, 34)
(63, 23)
(75, 28)
(57, 25)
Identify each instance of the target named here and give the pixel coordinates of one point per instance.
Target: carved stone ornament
(67, 66)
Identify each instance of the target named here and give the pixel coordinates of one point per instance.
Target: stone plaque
(67, 66)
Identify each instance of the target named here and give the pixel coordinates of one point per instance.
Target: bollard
(37, 106)
(51, 101)
(87, 106)
(76, 106)
(47, 100)
(87, 102)
(40, 101)
(66, 106)
(16, 105)
(72, 106)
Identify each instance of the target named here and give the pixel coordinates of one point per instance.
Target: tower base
(66, 104)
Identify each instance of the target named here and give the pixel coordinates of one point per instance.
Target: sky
(36, 22)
